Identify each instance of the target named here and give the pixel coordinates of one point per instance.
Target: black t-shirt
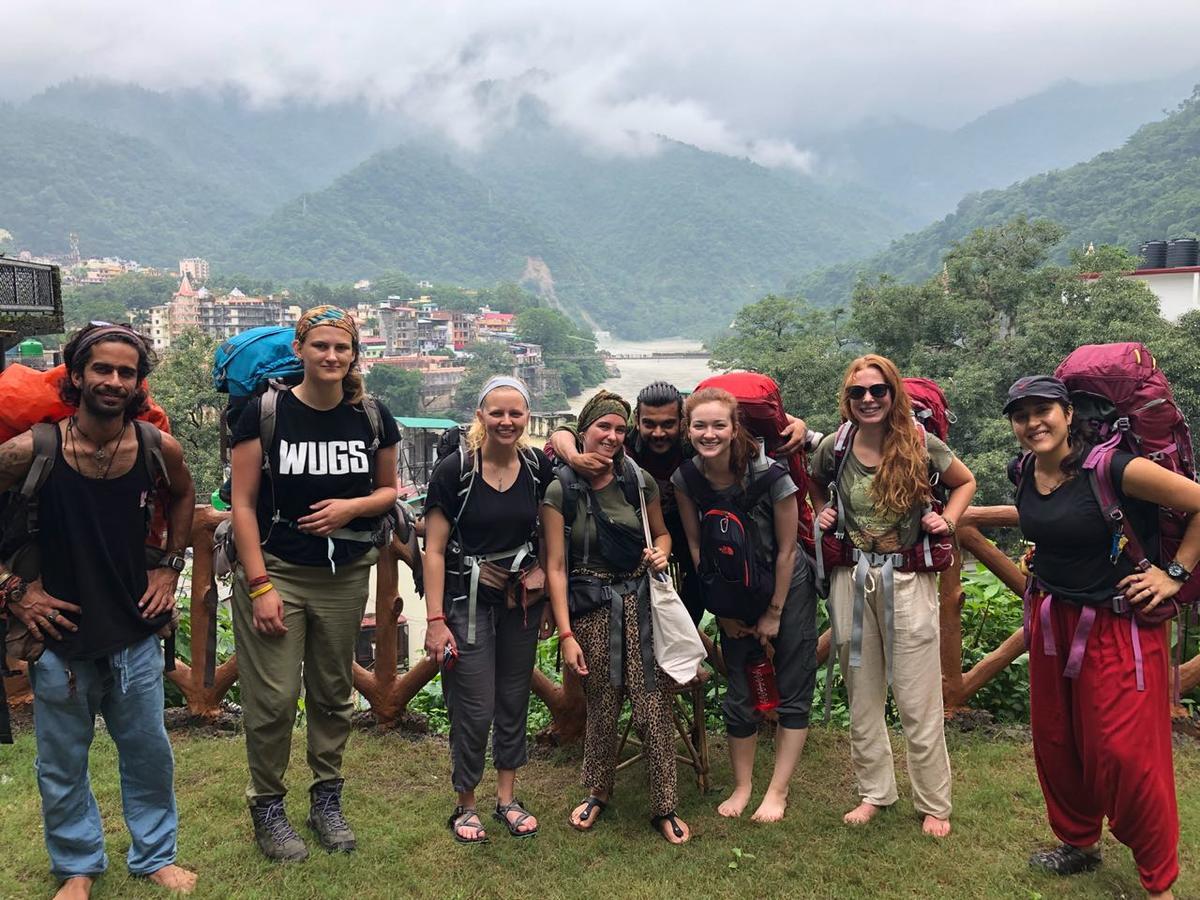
(492, 521)
(315, 455)
(1074, 541)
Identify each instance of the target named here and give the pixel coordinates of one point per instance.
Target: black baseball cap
(1044, 387)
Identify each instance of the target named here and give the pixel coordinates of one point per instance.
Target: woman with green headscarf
(597, 569)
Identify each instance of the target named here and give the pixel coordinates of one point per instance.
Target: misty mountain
(1147, 189)
(927, 170)
(122, 195)
(266, 155)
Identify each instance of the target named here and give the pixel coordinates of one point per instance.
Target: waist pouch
(620, 547)
(522, 588)
(585, 595)
(930, 554)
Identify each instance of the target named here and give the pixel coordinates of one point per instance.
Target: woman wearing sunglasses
(879, 470)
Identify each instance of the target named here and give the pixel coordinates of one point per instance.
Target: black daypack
(19, 531)
(737, 577)
(620, 547)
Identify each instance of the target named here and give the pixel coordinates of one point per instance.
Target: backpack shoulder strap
(375, 418)
(1098, 467)
(45, 449)
(269, 404)
(697, 485)
(571, 489)
(631, 483)
(152, 455)
(763, 482)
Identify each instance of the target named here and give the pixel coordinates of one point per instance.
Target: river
(637, 373)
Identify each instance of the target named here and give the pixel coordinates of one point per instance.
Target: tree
(182, 385)
(553, 331)
(399, 389)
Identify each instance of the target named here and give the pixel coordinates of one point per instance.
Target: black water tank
(1154, 255)
(1182, 252)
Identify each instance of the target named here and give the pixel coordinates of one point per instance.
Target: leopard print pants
(651, 710)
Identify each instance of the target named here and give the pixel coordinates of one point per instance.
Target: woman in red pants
(1099, 683)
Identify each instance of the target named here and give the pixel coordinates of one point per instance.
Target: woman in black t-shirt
(306, 531)
(484, 596)
(1098, 669)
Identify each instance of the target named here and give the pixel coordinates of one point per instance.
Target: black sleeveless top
(92, 535)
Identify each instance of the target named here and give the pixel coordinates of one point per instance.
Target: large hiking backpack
(929, 406)
(760, 406)
(250, 359)
(737, 577)
(1128, 400)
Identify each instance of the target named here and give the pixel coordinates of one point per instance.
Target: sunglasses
(878, 391)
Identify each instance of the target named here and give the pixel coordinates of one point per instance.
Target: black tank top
(92, 535)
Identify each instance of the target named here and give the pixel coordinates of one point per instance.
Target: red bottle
(760, 675)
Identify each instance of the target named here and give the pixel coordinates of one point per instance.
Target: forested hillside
(1148, 188)
(123, 195)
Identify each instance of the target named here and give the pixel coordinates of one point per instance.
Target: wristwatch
(173, 561)
(1178, 572)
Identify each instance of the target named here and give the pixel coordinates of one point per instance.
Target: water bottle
(760, 675)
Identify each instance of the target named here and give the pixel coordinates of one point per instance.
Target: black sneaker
(325, 817)
(276, 837)
(1064, 860)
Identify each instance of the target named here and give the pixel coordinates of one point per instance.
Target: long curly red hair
(902, 478)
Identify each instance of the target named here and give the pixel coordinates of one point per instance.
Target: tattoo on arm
(15, 458)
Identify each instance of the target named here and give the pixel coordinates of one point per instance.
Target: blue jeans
(127, 688)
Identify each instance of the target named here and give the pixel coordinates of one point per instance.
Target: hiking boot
(1064, 860)
(325, 817)
(276, 837)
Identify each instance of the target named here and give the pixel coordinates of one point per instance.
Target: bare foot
(735, 803)
(530, 823)
(77, 888)
(772, 808)
(935, 827)
(174, 878)
(593, 811)
(861, 814)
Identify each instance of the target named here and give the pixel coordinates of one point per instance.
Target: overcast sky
(738, 76)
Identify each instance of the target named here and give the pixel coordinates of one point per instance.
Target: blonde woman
(314, 469)
(484, 600)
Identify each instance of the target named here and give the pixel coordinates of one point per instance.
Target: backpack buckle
(1122, 424)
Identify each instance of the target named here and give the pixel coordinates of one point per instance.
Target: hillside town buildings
(219, 317)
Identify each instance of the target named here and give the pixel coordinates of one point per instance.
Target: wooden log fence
(388, 691)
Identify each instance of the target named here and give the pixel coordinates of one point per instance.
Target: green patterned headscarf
(601, 404)
(327, 315)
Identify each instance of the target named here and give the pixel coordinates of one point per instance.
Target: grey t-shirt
(871, 529)
(763, 513)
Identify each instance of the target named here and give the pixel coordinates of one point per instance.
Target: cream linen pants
(916, 688)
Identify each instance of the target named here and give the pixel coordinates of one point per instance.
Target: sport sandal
(656, 824)
(1065, 860)
(501, 816)
(591, 805)
(461, 819)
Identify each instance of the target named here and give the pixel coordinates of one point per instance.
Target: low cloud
(747, 79)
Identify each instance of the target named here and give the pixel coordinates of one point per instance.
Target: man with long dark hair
(99, 604)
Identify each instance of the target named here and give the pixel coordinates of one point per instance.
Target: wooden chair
(687, 711)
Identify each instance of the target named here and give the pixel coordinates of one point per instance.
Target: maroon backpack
(929, 406)
(1129, 401)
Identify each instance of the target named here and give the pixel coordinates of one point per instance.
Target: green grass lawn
(398, 798)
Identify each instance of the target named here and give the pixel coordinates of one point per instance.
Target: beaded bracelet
(265, 589)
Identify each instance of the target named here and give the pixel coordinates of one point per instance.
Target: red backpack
(929, 406)
(761, 409)
(1129, 401)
